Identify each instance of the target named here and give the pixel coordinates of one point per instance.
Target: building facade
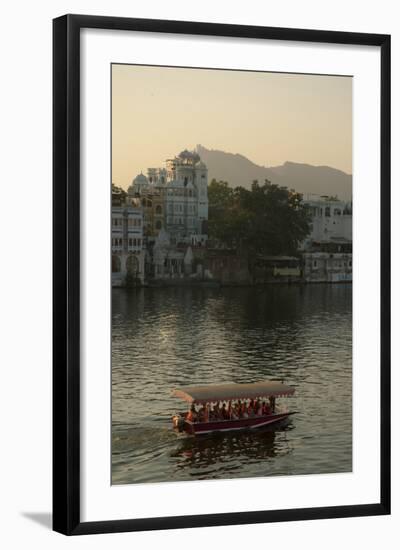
(175, 199)
(327, 251)
(127, 251)
(324, 267)
(331, 220)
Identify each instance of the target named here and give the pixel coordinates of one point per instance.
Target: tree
(267, 219)
(118, 191)
(220, 206)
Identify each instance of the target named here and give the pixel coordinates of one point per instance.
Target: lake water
(169, 337)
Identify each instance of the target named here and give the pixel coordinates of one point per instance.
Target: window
(327, 211)
(116, 264)
(158, 224)
(158, 209)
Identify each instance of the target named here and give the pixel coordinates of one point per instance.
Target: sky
(270, 118)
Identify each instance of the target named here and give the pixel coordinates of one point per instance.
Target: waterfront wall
(201, 266)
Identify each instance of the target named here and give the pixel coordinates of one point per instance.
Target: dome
(190, 156)
(138, 184)
(141, 179)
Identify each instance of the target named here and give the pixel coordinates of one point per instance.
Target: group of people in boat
(231, 410)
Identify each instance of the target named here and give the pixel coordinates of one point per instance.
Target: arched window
(132, 265)
(158, 224)
(116, 264)
(158, 209)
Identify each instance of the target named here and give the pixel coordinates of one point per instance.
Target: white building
(323, 267)
(182, 188)
(127, 254)
(331, 221)
(327, 250)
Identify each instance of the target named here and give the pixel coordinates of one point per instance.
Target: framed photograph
(221, 274)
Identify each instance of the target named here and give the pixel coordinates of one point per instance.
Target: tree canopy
(267, 219)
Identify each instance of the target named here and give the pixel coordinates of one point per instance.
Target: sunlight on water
(164, 338)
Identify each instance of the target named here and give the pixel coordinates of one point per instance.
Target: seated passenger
(224, 412)
(244, 411)
(250, 409)
(211, 414)
(258, 408)
(192, 414)
(272, 403)
(266, 408)
(200, 415)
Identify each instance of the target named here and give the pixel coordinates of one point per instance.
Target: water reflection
(163, 338)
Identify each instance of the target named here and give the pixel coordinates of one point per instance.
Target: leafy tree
(267, 219)
(118, 191)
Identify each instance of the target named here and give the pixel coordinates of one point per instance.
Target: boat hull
(253, 422)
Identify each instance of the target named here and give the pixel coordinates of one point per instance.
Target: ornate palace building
(174, 199)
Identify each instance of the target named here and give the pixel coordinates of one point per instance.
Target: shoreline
(217, 284)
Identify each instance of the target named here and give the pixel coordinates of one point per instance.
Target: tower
(201, 182)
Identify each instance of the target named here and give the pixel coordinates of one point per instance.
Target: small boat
(203, 422)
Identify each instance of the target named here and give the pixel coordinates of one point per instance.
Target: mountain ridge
(238, 170)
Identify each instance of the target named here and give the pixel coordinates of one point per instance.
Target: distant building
(127, 254)
(331, 221)
(327, 251)
(168, 260)
(175, 199)
(145, 193)
(324, 267)
(276, 269)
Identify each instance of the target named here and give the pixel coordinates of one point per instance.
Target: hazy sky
(268, 117)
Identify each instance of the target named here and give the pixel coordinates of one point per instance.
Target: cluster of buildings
(163, 216)
(160, 235)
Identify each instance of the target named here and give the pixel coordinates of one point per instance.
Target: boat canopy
(226, 392)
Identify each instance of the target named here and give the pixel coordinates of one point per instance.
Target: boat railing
(232, 419)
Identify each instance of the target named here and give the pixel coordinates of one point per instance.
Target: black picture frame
(66, 273)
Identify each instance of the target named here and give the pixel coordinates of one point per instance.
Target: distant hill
(304, 178)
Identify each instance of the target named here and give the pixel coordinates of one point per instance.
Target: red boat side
(230, 425)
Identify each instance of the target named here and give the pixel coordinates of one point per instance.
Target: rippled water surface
(164, 338)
